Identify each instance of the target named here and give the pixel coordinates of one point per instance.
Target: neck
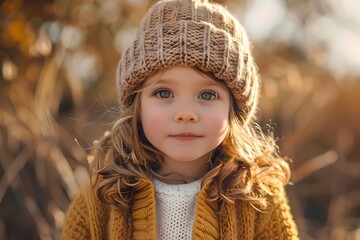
(179, 172)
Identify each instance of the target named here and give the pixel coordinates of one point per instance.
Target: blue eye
(208, 95)
(163, 93)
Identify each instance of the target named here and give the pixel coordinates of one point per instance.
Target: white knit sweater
(175, 209)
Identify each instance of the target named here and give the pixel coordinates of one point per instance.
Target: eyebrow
(163, 81)
(205, 82)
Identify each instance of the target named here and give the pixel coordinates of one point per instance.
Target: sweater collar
(144, 213)
(142, 224)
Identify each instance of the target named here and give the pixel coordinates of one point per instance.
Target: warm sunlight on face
(184, 114)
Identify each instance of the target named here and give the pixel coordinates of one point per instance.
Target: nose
(186, 116)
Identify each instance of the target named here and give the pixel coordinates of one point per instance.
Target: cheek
(218, 125)
(151, 119)
(218, 120)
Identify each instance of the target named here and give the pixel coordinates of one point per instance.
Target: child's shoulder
(86, 197)
(276, 198)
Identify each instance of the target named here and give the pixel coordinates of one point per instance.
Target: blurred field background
(58, 63)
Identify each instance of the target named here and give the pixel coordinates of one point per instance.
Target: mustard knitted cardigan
(88, 218)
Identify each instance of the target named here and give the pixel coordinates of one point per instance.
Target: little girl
(185, 159)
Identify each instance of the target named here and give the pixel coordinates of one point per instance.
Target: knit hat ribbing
(192, 33)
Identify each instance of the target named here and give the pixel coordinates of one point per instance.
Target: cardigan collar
(206, 221)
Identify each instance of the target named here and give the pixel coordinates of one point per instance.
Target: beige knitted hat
(193, 33)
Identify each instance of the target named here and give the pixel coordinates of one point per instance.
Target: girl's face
(184, 114)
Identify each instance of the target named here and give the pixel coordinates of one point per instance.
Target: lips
(185, 136)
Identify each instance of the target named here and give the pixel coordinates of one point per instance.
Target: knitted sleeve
(277, 221)
(77, 220)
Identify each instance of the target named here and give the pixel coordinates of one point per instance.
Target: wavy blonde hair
(245, 166)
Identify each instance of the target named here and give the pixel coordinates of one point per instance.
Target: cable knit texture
(175, 209)
(191, 33)
(88, 218)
